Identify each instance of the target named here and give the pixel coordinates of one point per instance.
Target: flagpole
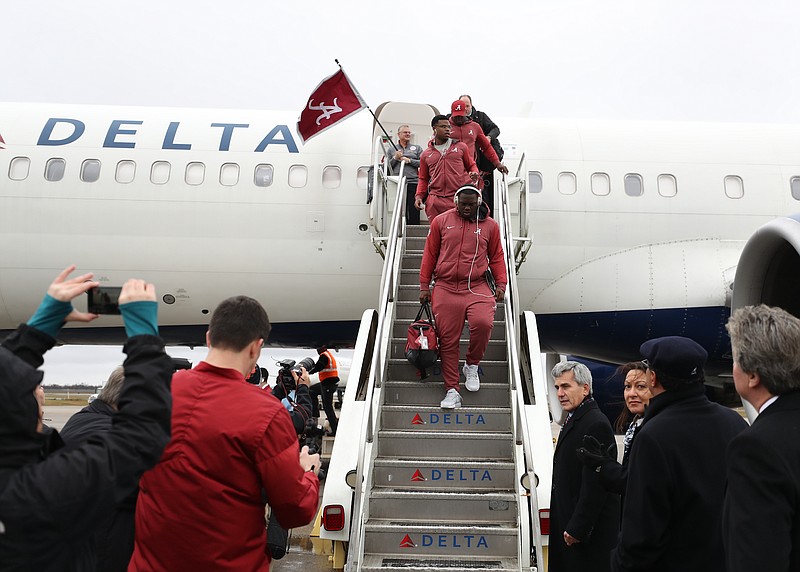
(373, 115)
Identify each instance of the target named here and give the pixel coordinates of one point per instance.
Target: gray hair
(766, 341)
(582, 374)
(113, 387)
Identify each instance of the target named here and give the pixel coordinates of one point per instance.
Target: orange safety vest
(331, 370)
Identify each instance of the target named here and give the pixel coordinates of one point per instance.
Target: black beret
(676, 356)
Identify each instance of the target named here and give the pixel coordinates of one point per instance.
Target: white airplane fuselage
(637, 227)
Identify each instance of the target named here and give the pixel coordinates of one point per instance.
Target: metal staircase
(436, 489)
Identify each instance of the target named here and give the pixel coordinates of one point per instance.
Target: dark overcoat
(672, 518)
(578, 502)
(761, 512)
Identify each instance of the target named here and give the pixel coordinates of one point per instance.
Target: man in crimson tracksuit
(469, 132)
(462, 243)
(444, 166)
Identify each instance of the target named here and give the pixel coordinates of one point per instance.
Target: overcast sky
(714, 60)
(699, 60)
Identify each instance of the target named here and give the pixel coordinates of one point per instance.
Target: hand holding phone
(103, 300)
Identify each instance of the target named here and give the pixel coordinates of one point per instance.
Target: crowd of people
(699, 490)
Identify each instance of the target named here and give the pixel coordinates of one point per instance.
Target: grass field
(66, 397)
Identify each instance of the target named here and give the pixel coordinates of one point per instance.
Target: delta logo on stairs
(447, 541)
(2, 143)
(472, 475)
(417, 420)
(450, 419)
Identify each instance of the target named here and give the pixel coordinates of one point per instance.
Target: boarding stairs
(438, 489)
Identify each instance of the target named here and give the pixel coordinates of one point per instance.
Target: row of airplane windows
(297, 177)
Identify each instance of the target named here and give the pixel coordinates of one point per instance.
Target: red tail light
(333, 517)
(544, 521)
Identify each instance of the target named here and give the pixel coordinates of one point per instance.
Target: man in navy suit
(761, 512)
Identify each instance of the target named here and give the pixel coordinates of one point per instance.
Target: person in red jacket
(233, 447)
(444, 166)
(462, 244)
(469, 132)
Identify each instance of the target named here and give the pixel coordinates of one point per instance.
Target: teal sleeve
(140, 318)
(50, 315)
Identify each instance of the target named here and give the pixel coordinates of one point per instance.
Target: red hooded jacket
(443, 174)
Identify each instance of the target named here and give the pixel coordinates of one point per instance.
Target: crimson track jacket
(443, 174)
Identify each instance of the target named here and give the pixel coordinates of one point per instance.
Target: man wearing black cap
(676, 479)
(761, 513)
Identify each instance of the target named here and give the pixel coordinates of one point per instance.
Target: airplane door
(392, 115)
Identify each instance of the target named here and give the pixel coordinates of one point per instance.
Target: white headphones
(469, 188)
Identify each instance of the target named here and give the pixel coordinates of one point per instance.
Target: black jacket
(301, 411)
(578, 503)
(676, 481)
(490, 129)
(761, 514)
(51, 502)
(113, 536)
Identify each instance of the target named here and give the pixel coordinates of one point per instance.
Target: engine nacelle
(769, 267)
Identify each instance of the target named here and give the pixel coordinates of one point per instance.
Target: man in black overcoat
(672, 517)
(761, 512)
(584, 518)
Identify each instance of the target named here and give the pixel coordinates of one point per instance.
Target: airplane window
(667, 185)
(159, 172)
(19, 168)
(567, 183)
(126, 170)
(534, 182)
(263, 175)
(601, 184)
(331, 177)
(298, 176)
(54, 169)
(794, 182)
(634, 187)
(229, 174)
(734, 187)
(361, 178)
(90, 170)
(195, 173)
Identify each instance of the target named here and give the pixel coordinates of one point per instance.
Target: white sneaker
(452, 400)
(473, 382)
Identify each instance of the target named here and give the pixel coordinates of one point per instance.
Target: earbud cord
(474, 258)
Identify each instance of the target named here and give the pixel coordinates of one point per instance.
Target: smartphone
(104, 300)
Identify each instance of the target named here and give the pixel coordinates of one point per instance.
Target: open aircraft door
(391, 115)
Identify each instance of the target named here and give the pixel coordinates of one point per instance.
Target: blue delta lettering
(454, 541)
(457, 419)
(460, 475)
(122, 133)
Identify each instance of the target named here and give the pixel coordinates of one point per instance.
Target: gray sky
(704, 60)
(628, 59)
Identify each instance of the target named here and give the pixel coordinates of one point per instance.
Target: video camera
(312, 438)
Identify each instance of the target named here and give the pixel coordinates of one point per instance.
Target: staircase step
(444, 474)
(427, 418)
(417, 231)
(404, 563)
(409, 309)
(400, 328)
(444, 445)
(430, 393)
(491, 371)
(497, 350)
(456, 507)
(440, 539)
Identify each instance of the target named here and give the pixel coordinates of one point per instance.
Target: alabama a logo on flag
(333, 100)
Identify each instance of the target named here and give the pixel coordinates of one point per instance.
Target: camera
(286, 368)
(312, 438)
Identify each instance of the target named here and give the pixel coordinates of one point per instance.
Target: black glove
(594, 454)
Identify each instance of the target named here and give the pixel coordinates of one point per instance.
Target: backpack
(422, 346)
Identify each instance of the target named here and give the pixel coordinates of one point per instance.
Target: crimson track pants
(450, 309)
(436, 205)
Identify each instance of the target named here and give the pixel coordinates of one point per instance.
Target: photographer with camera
(292, 389)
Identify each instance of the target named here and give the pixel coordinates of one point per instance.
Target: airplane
(635, 229)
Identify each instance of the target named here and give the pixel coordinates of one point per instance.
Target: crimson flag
(333, 100)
